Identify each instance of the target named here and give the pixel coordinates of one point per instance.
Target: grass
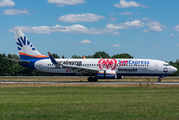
(81, 103)
(90, 84)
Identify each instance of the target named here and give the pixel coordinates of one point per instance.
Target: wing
(79, 69)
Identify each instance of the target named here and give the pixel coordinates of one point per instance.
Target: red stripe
(37, 56)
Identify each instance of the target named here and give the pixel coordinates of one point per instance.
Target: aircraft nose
(174, 69)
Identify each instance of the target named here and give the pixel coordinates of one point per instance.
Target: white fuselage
(123, 67)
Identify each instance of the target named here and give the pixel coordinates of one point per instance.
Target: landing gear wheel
(90, 79)
(159, 80)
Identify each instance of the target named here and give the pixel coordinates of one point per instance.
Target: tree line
(11, 68)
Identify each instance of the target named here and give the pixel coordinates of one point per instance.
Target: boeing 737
(102, 68)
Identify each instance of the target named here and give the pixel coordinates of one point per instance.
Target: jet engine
(107, 75)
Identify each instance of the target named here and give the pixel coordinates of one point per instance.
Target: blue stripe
(28, 65)
(24, 57)
(32, 61)
(108, 76)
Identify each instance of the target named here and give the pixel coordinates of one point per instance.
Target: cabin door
(156, 66)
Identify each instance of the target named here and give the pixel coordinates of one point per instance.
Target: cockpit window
(166, 65)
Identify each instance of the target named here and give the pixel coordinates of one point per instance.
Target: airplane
(102, 68)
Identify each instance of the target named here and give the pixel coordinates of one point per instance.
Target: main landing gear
(90, 79)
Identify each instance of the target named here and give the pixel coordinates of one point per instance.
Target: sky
(146, 29)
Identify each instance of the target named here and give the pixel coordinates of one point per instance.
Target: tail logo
(21, 42)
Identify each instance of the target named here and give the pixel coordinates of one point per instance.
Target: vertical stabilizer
(26, 48)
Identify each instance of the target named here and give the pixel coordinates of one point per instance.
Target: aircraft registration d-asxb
(102, 68)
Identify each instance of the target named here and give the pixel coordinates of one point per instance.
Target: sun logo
(22, 42)
(165, 70)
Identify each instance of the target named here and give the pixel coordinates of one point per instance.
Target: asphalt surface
(78, 82)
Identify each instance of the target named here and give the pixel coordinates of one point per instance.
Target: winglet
(52, 59)
(84, 57)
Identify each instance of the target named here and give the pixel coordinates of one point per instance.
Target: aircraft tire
(159, 80)
(90, 79)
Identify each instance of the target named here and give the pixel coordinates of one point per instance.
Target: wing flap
(80, 68)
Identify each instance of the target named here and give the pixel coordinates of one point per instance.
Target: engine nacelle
(107, 75)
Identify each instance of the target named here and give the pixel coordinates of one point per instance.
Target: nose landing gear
(159, 80)
(162, 76)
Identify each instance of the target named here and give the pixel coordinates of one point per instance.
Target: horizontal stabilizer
(16, 60)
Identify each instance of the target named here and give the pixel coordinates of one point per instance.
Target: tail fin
(26, 48)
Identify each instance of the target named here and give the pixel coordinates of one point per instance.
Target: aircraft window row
(51, 65)
(136, 65)
(109, 65)
(101, 65)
